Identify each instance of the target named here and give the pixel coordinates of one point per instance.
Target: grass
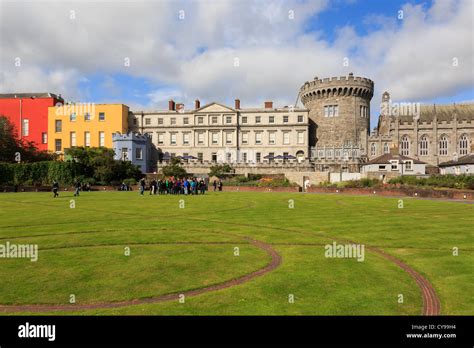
(81, 252)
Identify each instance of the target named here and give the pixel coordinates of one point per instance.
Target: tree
(174, 169)
(11, 145)
(220, 170)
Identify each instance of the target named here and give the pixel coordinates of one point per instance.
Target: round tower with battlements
(339, 111)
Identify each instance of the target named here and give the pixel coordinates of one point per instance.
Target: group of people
(186, 186)
(173, 186)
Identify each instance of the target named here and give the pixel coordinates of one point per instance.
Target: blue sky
(194, 57)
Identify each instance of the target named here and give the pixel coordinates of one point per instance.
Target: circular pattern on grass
(189, 269)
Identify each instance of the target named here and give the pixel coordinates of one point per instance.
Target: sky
(143, 53)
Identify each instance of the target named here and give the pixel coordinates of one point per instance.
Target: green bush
(441, 181)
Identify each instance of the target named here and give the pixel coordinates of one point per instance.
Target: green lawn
(81, 252)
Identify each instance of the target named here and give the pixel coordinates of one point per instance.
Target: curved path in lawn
(274, 263)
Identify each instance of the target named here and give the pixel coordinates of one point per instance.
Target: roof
(469, 159)
(446, 113)
(29, 95)
(386, 158)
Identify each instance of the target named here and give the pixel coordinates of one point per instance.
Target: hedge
(39, 173)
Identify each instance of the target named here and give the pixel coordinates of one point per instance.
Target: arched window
(385, 148)
(404, 146)
(443, 146)
(463, 145)
(373, 149)
(424, 146)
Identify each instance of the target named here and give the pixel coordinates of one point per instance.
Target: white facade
(219, 133)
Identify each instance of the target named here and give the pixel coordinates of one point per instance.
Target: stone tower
(339, 108)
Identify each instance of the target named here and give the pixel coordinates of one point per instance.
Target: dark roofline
(29, 95)
(385, 159)
(468, 159)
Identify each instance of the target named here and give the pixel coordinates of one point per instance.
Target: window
(300, 137)
(87, 139)
(135, 121)
(124, 154)
(200, 120)
(271, 138)
(57, 145)
(161, 138)
(160, 121)
(186, 138)
(271, 155)
(72, 139)
(101, 116)
(424, 146)
(229, 157)
(404, 146)
(443, 146)
(214, 120)
(300, 118)
(408, 165)
(244, 156)
(87, 117)
(173, 120)
(331, 111)
(285, 119)
(200, 156)
(214, 157)
(44, 138)
(271, 119)
(385, 148)
(185, 120)
(58, 126)
(245, 138)
(285, 156)
(258, 138)
(244, 119)
(382, 167)
(72, 117)
(373, 149)
(101, 139)
(147, 121)
(138, 153)
(215, 138)
(25, 129)
(257, 119)
(201, 138)
(463, 145)
(173, 138)
(286, 138)
(228, 138)
(394, 165)
(228, 119)
(258, 156)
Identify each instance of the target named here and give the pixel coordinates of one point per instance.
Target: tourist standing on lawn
(220, 185)
(142, 186)
(202, 186)
(78, 188)
(55, 188)
(215, 185)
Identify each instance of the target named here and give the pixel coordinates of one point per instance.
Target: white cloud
(194, 57)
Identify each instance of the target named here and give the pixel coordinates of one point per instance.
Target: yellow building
(88, 125)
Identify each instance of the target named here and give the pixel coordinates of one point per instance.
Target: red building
(29, 113)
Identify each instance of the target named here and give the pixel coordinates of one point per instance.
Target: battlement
(337, 86)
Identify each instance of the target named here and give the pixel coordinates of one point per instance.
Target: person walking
(78, 188)
(142, 186)
(55, 188)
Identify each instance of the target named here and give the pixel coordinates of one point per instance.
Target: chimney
(197, 104)
(268, 105)
(171, 105)
(237, 104)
